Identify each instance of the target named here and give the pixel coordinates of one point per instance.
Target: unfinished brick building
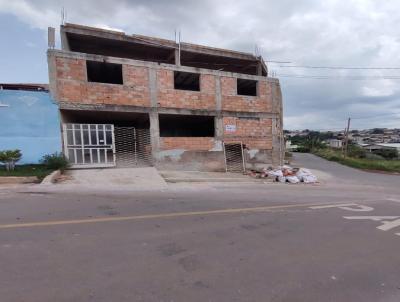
(135, 100)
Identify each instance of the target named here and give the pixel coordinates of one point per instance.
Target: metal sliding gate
(133, 147)
(234, 157)
(103, 145)
(89, 145)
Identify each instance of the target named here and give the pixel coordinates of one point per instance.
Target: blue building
(29, 121)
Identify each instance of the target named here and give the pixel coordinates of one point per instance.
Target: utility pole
(346, 141)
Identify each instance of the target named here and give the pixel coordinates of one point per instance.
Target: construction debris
(286, 174)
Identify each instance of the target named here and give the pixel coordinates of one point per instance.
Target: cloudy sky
(330, 33)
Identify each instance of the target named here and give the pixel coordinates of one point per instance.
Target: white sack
(292, 179)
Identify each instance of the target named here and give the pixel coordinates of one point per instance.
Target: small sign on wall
(230, 128)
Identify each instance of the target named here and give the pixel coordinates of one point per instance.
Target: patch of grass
(360, 163)
(40, 171)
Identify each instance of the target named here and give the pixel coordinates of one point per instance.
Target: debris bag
(278, 175)
(308, 179)
(292, 179)
(306, 176)
(281, 178)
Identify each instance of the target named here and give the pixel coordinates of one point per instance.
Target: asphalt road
(336, 241)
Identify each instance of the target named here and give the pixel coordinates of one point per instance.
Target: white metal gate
(234, 157)
(89, 145)
(132, 147)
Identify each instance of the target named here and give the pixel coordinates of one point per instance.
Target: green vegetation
(49, 163)
(359, 162)
(55, 161)
(40, 171)
(314, 140)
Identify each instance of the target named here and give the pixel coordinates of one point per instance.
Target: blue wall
(30, 123)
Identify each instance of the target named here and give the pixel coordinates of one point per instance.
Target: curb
(51, 178)
(18, 179)
(212, 180)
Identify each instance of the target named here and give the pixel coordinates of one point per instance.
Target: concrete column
(154, 134)
(219, 128)
(218, 94)
(153, 115)
(277, 124)
(177, 58)
(153, 87)
(218, 124)
(64, 41)
(259, 68)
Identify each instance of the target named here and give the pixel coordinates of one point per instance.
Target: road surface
(335, 241)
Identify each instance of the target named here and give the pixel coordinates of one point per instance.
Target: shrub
(356, 151)
(373, 156)
(55, 161)
(10, 157)
(387, 153)
(303, 149)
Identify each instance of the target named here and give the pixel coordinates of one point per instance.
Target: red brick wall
(73, 87)
(256, 134)
(172, 98)
(233, 102)
(187, 143)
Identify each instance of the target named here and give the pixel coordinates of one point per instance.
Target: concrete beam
(100, 58)
(160, 110)
(162, 43)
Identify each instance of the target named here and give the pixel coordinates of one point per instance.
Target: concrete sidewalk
(135, 178)
(196, 176)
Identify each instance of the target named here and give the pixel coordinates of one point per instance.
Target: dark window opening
(186, 81)
(141, 50)
(246, 87)
(102, 72)
(221, 63)
(172, 125)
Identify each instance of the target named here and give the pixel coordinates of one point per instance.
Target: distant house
(289, 147)
(28, 121)
(334, 143)
(374, 147)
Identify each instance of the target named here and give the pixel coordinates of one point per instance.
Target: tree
(10, 157)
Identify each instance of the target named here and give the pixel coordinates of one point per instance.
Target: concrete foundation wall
(179, 159)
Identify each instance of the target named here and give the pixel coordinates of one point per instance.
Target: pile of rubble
(286, 174)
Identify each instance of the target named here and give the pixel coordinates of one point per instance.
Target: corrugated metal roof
(24, 86)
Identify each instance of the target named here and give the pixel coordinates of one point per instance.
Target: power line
(327, 77)
(278, 62)
(376, 115)
(338, 67)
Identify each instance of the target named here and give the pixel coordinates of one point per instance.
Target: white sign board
(230, 128)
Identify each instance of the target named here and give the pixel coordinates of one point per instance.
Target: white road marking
(386, 225)
(393, 199)
(374, 218)
(346, 206)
